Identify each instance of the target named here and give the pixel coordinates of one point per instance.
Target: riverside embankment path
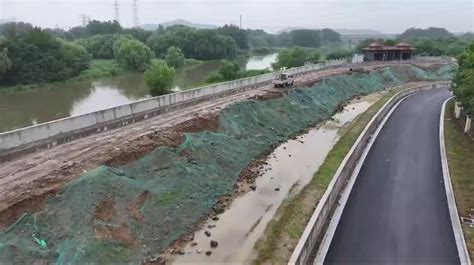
(397, 211)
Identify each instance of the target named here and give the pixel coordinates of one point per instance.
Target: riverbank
(284, 172)
(105, 68)
(460, 152)
(208, 163)
(30, 105)
(282, 234)
(98, 69)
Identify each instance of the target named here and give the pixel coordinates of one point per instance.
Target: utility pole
(136, 20)
(240, 21)
(117, 11)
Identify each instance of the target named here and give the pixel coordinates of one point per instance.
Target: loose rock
(214, 244)
(208, 253)
(207, 233)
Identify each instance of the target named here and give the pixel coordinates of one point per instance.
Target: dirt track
(26, 182)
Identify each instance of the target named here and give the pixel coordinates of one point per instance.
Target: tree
(258, 42)
(306, 37)
(102, 46)
(138, 33)
(38, 57)
(5, 63)
(229, 70)
(96, 27)
(174, 57)
(313, 56)
(134, 55)
(431, 33)
(240, 36)
(330, 36)
(390, 43)
(339, 54)
(202, 44)
(293, 57)
(464, 80)
(159, 77)
(75, 58)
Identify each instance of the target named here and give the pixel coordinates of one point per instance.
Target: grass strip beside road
(284, 231)
(460, 151)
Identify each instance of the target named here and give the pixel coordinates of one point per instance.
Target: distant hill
(431, 32)
(370, 32)
(358, 32)
(178, 22)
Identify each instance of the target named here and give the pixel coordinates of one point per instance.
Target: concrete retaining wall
(314, 230)
(49, 134)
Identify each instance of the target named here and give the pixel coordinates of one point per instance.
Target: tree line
(31, 55)
(464, 80)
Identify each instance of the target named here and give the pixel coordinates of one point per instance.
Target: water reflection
(261, 62)
(25, 108)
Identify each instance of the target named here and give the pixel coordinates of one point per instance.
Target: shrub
(159, 78)
(174, 57)
(134, 55)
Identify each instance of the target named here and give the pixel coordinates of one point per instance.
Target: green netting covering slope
(130, 213)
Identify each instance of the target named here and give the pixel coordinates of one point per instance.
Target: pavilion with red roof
(378, 52)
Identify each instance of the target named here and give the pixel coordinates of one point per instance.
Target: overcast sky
(389, 16)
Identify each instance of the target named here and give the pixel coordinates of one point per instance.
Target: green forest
(32, 55)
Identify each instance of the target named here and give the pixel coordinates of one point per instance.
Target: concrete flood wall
(315, 229)
(49, 134)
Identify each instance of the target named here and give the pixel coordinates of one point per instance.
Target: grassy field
(460, 150)
(282, 234)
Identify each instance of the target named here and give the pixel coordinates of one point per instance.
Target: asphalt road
(397, 211)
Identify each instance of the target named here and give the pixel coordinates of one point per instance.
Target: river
(289, 168)
(25, 108)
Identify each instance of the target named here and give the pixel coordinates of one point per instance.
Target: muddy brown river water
(290, 167)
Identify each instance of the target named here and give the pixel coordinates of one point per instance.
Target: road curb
(453, 210)
(315, 229)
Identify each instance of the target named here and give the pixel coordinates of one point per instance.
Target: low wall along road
(50, 134)
(56, 132)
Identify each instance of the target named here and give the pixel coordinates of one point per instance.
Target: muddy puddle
(290, 167)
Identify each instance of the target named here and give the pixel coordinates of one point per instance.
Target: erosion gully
(285, 172)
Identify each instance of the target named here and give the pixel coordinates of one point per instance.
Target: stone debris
(214, 244)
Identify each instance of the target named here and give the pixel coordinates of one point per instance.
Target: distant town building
(379, 52)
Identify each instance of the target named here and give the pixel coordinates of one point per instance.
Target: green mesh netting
(133, 212)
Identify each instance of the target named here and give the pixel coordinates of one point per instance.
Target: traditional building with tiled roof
(378, 52)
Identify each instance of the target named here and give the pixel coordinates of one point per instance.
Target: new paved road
(397, 211)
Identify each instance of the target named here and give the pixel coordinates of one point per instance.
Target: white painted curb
(453, 210)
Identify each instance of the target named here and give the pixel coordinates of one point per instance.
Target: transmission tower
(117, 11)
(136, 20)
(84, 19)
